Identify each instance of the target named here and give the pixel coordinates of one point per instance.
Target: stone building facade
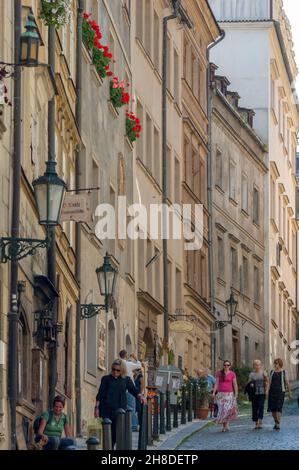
(267, 87)
(238, 174)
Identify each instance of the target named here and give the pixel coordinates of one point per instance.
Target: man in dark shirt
(112, 395)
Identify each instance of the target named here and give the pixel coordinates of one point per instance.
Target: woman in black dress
(279, 384)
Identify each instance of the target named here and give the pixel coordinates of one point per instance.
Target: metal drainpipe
(52, 249)
(210, 199)
(78, 225)
(13, 315)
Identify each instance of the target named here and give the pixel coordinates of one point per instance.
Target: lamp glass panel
(33, 51)
(41, 200)
(56, 193)
(110, 281)
(101, 281)
(24, 51)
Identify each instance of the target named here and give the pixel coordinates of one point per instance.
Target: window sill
(233, 201)
(178, 109)
(129, 143)
(221, 281)
(257, 306)
(113, 110)
(219, 189)
(274, 116)
(245, 213)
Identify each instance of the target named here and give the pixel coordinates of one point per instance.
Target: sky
(292, 10)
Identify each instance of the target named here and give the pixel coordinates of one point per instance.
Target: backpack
(37, 421)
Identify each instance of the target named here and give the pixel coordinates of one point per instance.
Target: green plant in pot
(203, 396)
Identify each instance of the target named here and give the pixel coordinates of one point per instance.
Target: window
(94, 184)
(156, 41)
(178, 288)
(256, 206)
(168, 64)
(220, 256)
(149, 269)
(256, 285)
(112, 201)
(273, 199)
(219, 169)
(156, 157)
(169, 272)
(234, 266)
(244, 193)
(176, 76)
(112, 50)
(177, 181)
(141, 262)
(169, 174)
(139, 20)
(232, 181)
(203, 275)
(148, 27)
(140, 140)
(247, 352)
(188, 161)
(244, 286)
(157, 269)
(149, 143)
(273, 95)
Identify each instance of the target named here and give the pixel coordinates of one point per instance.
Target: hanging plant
(118, 94)
(55, 12)
(100, 55)
(3, 88)
(133, 127)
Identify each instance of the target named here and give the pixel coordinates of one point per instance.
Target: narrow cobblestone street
(242, 436)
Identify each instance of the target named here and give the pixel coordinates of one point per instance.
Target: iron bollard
(162, 413)
(190, 403)
(142, 438)
(195, 401)
(128, 426)
(107, 437)
(175, 416)
(149, 423)
(183, 410)
(93, 443)
(168, 411)
(120, 429)
(156, 418)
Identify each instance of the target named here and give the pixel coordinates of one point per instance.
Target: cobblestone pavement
(242, 436)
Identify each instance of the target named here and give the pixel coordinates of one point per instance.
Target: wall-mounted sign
(76, 208)
(181, 326)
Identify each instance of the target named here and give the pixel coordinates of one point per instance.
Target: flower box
(100, 55)
(55, 12)
(133, 127)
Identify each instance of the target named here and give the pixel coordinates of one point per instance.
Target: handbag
(250, 390)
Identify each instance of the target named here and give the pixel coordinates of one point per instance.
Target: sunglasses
(115, 370)
(226, 365)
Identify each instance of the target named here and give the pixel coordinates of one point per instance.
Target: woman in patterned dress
(226, 393)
